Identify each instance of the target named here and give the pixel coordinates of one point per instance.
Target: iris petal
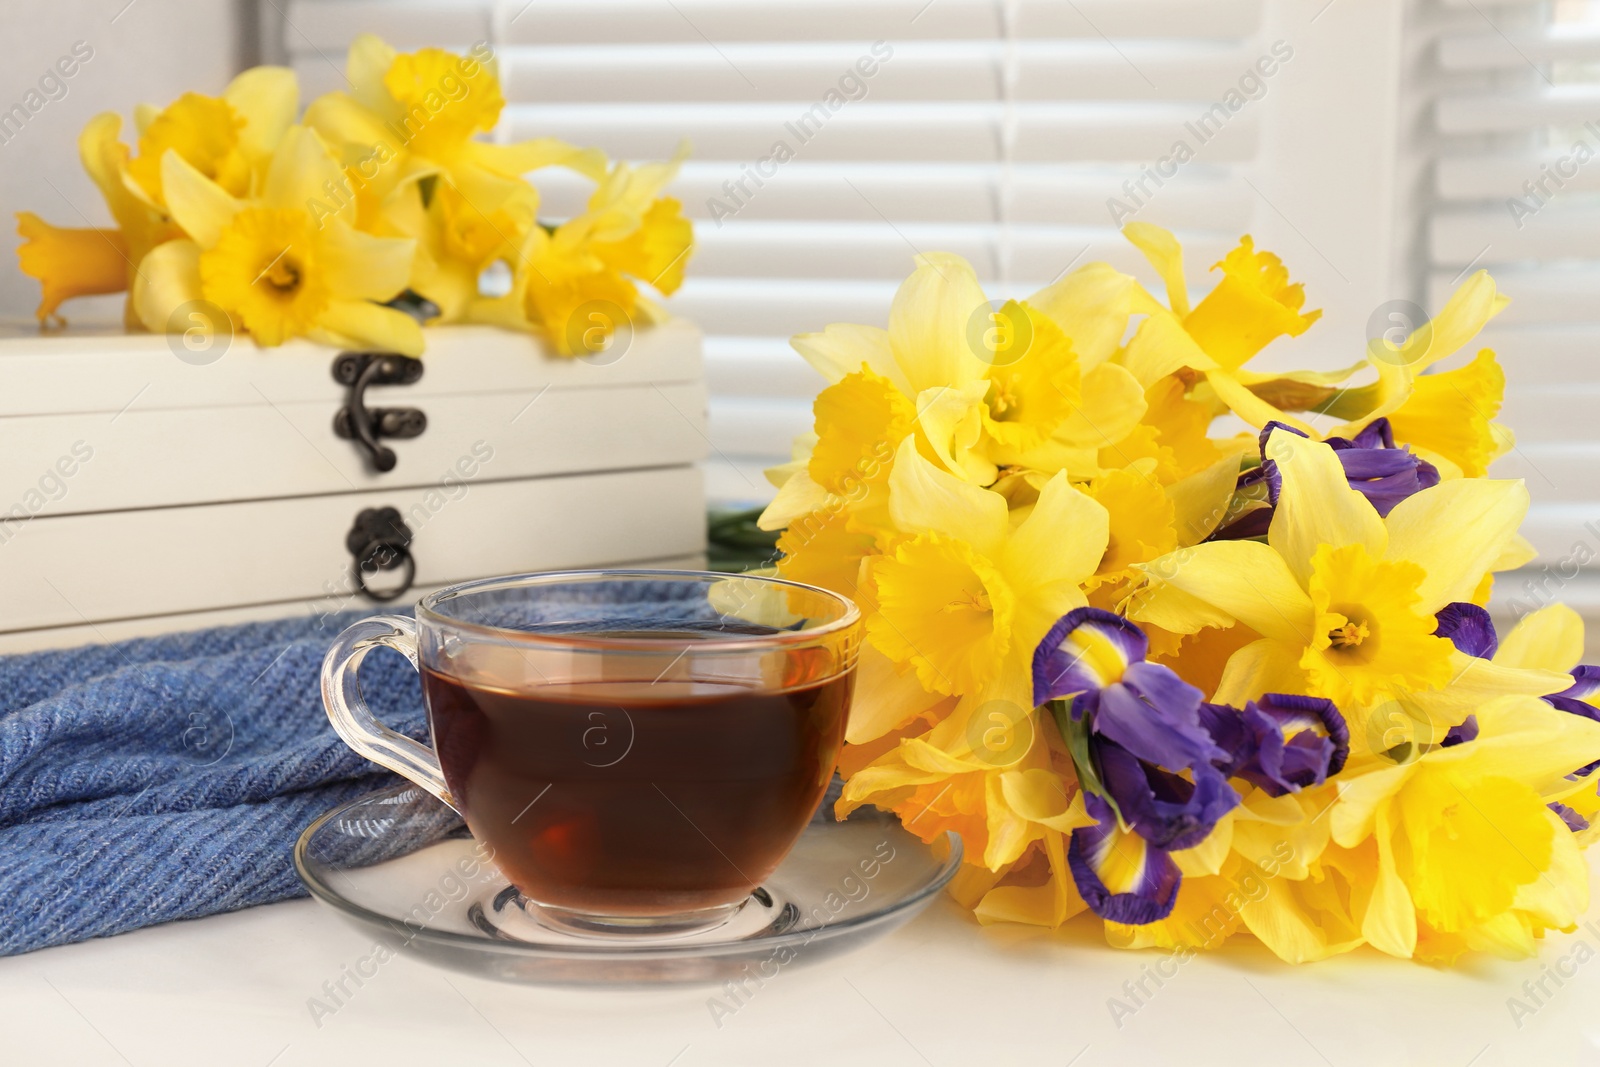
(1121, 876)
(1575, 822)
(1155, 715)
(1469, 628)
(1373, 465)
(1086, 649)
(1163, 808)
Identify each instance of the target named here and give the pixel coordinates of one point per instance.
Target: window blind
(1509, 121)
(1018, 133)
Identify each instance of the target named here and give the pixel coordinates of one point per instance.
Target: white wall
(149, 50)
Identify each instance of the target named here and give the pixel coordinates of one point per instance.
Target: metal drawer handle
(381, 541)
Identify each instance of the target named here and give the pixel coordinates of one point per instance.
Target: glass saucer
(402, 865)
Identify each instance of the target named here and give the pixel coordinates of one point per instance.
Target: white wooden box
(141, 491)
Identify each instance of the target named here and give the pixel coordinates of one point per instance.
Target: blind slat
(721, 21)
(1033, 194)
(1556, 472)
(943, 70)
(1490, 236)
(1123, 132)
(1496, 177)
(1515, 50)
(1504, 112)
(884, 249)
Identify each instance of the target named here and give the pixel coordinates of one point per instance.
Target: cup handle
(351, 718)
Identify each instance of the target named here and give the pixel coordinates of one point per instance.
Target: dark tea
(637, 798)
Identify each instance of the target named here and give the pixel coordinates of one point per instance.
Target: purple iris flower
(1282, 743)
(1374, 466)
(1097, 659)
(1471, 630)
(1154, 759)
(1151, 889)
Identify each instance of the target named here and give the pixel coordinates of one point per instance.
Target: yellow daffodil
(228, 139)
(573, 283)
(272, 266)
(411, 116)
(965, 598)
(988, 388)
(1344, 600)
(1447, 415)
(1468, 855)
(1000, 802)
(1253, 305)
(456, 243)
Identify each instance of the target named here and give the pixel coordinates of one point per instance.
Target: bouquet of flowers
(1197, 684)
(231, 215)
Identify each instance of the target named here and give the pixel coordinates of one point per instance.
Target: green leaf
(1076, 735)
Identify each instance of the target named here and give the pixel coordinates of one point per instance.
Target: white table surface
(235, 989)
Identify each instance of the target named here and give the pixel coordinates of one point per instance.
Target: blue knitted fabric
(168, 778)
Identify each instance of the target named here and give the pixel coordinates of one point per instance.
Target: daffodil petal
(1209, 855)
(1353, 817)
(368, 60)
(1049, 905)
(267, 98)
(1300, 921)
(168, 278)
(887, 698)
(1092, 306)
(299, 174)
(844, 347)
(1523, 738)
(1245, 579)
(1200, 501)
(523, 156)
(1463, 316)
(1474, 681)
(925, 499)
(1560, 897)
(340, 119)
(197, 203)
(1316, 505)
(952, 423)
(930, 323)
(1172, 609)
(1550, 639)
(1161, 248)
(362, 324)
(797, 496)
(1061, 541)
(1248, 406)
(1111, 406)
(1390, 922)
(362, 266)
(1259, 668)
(1455, 531)
(1161, 346)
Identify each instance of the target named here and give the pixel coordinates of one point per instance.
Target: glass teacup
(639, 749)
